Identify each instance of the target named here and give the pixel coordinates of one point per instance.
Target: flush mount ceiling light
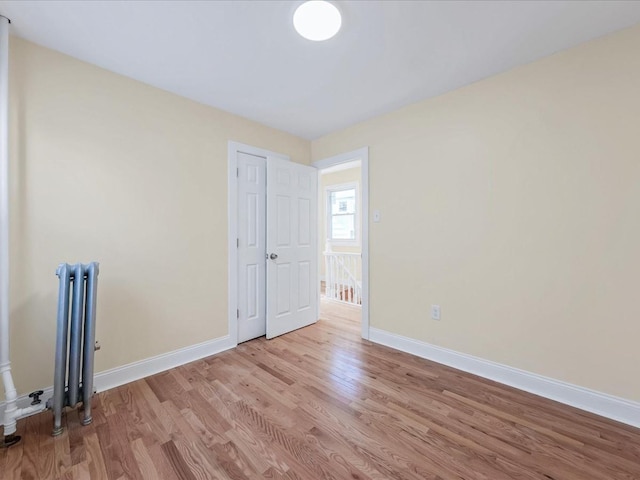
(317, 20)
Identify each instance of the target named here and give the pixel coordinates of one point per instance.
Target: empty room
(341, 239)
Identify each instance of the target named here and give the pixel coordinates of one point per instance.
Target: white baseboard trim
(615, 408)
(150, 366)
(144, 368)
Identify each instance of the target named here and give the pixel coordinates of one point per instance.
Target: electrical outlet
(435, 312)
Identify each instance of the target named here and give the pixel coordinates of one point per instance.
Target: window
(342, 214)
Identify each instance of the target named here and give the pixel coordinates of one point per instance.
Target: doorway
(343, 191)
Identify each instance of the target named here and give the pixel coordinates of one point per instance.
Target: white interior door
(292, 238)
(251, 246)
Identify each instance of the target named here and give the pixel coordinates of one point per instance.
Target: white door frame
(232, 221)
(361, 154)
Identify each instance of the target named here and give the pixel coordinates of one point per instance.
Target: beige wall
(514, 203)
(109, 169)
(350, 175)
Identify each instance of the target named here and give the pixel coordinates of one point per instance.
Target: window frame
(355, 242)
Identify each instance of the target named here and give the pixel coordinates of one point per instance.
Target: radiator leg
(61, 349)
(89, 341)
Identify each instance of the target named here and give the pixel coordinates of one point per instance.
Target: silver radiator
(75, 340)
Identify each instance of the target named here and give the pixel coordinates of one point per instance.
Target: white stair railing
(341, 282)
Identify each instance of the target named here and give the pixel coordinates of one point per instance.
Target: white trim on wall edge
(144, 368)
(615, 408)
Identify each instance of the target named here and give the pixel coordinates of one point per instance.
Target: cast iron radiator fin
(75, 340)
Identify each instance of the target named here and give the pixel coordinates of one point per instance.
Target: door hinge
(237, 243)
(238, 313)
(237, 172)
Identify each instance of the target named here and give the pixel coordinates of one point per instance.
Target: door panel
(304, 282)
(292, 225)
(251, 246)
(283, 288)
(252, 291)
(304, 217)
(283, 221)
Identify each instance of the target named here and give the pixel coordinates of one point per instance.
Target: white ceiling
(245, 57)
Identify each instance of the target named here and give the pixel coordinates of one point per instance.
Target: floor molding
(135, 371)
(615, 408)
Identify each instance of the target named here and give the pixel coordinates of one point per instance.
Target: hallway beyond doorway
(347, 315)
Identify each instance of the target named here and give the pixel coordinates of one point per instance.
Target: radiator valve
(36, 397)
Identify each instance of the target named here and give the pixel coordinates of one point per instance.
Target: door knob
(273, 256)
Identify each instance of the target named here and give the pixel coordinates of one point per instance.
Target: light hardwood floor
(320, 403)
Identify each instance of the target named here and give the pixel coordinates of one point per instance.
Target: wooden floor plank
(175, 459)
(321, 403)
(31, 448)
